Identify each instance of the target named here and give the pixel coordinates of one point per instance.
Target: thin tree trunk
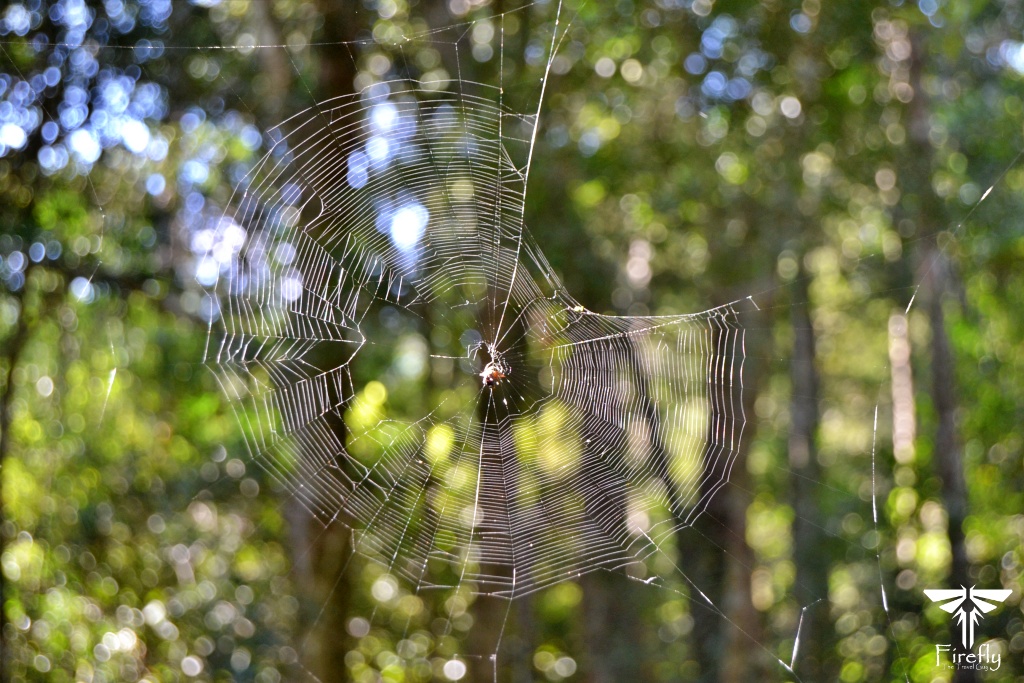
(275, 65)
(328, 639)
(320, 556)
(337, 60)
(811, 566)
(520, 663)
(609, 611)
(726, 635)
(947, 455)
(610, 629)
(742, 660)
(948, 459)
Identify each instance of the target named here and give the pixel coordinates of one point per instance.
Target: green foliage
(142, 541)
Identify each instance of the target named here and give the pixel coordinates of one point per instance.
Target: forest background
(835, 159)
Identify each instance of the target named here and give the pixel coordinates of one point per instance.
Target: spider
(492, 375)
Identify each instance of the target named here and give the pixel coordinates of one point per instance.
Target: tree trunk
(610, 628)
(811, 584)
(948, 456)
(937, 269)
(320, 556)
(741, 635)
(727, 635)
(275, 66)
(328, 602)
(337, 61)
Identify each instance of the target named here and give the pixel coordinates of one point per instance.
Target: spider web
(376, 270)
(400, 210)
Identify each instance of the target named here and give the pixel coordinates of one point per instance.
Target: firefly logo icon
(967, 604)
